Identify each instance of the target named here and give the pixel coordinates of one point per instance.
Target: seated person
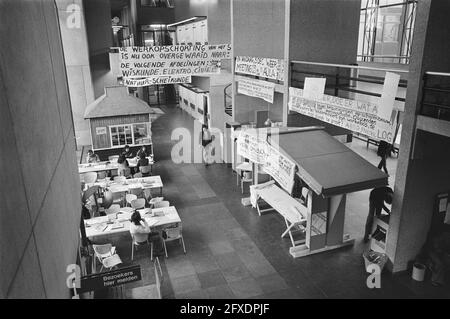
(141, 232)
(143, 150)
(124, 167)
(127, 152)
(143, 161)
(92, 157)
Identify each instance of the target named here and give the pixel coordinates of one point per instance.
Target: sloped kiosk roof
(325, 164)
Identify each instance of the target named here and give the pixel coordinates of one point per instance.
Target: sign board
(172, 60)
(255, 147)
(252, 145)
(257, 88)
(357, 116)
(263, 67)
(156, 80)
(110, 278)
(100, 130)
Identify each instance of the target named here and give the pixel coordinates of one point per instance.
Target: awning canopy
(325, 164)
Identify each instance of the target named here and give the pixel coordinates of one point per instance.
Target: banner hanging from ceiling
(172, 60)
(256, 88)
(356, 116)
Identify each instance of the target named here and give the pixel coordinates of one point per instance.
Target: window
(130, 134)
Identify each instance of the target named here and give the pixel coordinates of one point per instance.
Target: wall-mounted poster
(100, 130)
(263, 67)
(357, 116)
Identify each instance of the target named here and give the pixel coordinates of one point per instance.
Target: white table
(104, 166)
(294, 213)
(100, 227)
(142, 182)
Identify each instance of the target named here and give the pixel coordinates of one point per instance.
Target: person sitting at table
(124, 167)
(142, 150)
(92, 157)
(143, 161)
(141, 232)
(127, 152)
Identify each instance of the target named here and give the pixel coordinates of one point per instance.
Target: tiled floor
(234, 253)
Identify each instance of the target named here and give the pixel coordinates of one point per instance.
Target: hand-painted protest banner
(357, 116)
(280, 167)
(257, 88)
(172, 60)
(264, 67)
(252, 145)
(255, 147)
(156, 80)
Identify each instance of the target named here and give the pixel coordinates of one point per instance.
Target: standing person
(378, 196)
(384, 150)
(206, 140)
(127, 152)
(142, 150)
(92, 157)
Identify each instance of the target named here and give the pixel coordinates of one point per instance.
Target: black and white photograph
(225, 155)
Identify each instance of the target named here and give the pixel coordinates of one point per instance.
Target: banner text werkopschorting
(172, 60)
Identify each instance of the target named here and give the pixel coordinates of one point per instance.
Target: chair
(120, 179)
(155, 200)
(136, 191)
(103, 251)
(145, 170)
(113, 209)
(247, 178)
(304, 196)
(90, 177)
(137, 175)
(126, 172)
(161, 204)
(138, 203)
(135, 245)
(111, 262)
(107, 199)
(147, 192)
(173, 233)
(101, 175)
(129, 198)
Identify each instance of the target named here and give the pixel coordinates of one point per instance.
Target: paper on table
(144, 211)
(388, 95)
(151, 221)
(314, 88)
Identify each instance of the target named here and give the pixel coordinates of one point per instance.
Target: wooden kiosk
(117, 119)
(330, 170)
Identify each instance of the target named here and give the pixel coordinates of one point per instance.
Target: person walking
(378, 196)
(206, 140)
(384, 150)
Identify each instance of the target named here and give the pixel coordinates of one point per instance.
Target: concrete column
(76, 54)
(40, 198)
(423, 171)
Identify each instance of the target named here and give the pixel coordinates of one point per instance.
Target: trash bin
(418, 272)
(374, 257)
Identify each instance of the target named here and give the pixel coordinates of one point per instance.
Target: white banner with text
(172, 60)
(263, 67)
(357, 116)
(257, 88)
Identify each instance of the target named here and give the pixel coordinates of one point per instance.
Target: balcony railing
(436, 95)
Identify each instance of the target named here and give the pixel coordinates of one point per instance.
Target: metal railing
(436, 95)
